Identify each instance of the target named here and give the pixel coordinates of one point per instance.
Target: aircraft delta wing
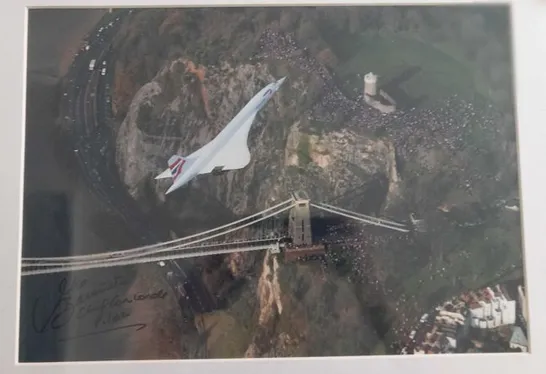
(170, 173)
(227, 151)
(234, 154)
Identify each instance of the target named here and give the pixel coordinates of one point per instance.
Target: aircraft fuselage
(208, 151)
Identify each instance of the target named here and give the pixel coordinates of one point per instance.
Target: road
(86, 108)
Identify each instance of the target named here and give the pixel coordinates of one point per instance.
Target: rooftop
(486, 295)
(504, 292)
(445, 322)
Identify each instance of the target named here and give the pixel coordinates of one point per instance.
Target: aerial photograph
(251, 182)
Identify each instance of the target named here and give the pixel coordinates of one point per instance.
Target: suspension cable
(136, 261)
(108, 255)
(120, 261)
(360, 219)
(174, 248)
(381, 220)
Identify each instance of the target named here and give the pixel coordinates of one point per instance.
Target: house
(490, 309)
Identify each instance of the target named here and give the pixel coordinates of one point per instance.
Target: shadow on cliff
(187, 210)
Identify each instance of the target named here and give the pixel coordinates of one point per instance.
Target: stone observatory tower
(370, 84)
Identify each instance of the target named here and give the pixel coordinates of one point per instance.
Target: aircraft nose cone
(280, 81)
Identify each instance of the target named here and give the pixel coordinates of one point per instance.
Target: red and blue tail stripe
(176, 164)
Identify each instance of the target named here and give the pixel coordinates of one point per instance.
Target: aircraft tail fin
(176, 164)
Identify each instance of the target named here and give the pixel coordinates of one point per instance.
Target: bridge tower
(299, 229)
(299, 223)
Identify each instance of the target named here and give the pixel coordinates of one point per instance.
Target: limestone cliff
(166, 117)
(322, 139)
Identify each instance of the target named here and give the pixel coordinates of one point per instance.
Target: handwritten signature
(77, 300)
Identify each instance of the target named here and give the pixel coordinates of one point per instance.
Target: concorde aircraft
(227, 151)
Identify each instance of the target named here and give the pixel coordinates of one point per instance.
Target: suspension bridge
(225, 239)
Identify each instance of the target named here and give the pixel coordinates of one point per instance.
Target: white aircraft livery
(227, 151)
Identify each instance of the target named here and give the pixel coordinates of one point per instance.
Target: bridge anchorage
(295, 240)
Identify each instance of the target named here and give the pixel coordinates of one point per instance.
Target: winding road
(86, 110)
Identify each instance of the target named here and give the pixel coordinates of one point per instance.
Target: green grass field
(435, 75)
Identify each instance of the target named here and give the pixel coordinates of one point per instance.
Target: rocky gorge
(315, 137)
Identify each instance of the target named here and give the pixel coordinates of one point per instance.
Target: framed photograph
(270, 187)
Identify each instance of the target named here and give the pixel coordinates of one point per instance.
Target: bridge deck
(296, 253)
(173, 254)
(197, 245)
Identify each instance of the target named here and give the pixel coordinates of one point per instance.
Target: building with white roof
(490, 309)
